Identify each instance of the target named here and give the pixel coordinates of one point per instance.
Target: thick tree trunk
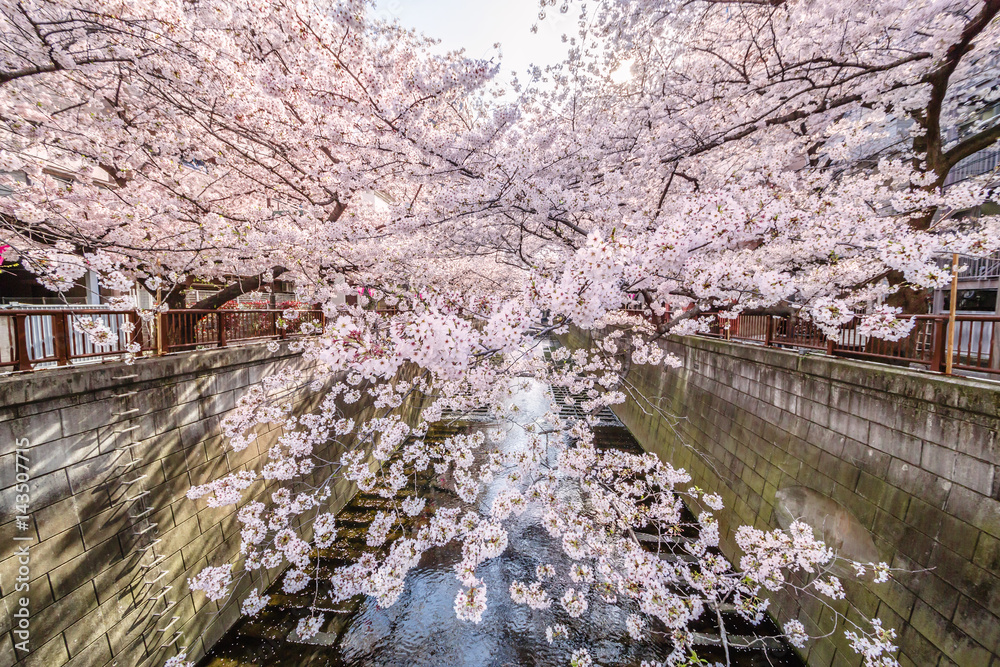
(912, 302)
(182, 331)
(235, 289)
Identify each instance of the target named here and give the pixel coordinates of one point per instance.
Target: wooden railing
(192, 329)
(35, 338)
(976, 346)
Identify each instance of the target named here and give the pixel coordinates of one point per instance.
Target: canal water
(422, 629)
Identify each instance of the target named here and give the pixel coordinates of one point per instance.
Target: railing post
(283, 331)
(768, 330)
(161, 334)
(159, 322)
(136, 335)
(937, 346)
(953, 305)
(830, 346)
(994, 361)
(21, 343)
(220, 315)
(60, 338)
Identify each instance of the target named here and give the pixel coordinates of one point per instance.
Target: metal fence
(974, 267)
(976, 340)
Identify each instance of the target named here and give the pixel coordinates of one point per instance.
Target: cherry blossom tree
(759, 152)
(689, 155)
(212, 139)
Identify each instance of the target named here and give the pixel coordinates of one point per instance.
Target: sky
(477, 24)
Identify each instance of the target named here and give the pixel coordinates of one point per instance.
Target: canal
(422, 629)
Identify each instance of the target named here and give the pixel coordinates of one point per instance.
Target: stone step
(301, 600)
(673, 540)
(270, 623)
(358, 515)
(339, 552)
(355, 533)
(738, 641)
(678, 558)
(306, 599)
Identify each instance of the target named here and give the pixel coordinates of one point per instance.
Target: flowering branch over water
(615, 497)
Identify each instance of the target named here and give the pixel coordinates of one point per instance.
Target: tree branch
(971, 145)
(11, 75)
(235, 289)
(930, 118)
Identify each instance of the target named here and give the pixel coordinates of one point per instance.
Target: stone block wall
(881, 458)
(113, 451)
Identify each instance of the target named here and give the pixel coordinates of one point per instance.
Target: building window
(974, 300)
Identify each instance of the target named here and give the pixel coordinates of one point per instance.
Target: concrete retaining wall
(909, 461)
(109, 557)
